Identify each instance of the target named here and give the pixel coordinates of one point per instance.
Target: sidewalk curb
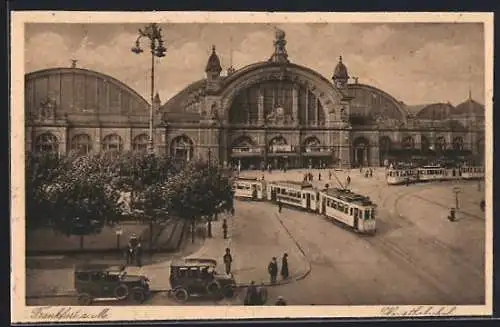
(308, 264)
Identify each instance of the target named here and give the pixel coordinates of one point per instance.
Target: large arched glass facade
(277, 100)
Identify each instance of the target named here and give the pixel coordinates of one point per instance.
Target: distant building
(271, 112)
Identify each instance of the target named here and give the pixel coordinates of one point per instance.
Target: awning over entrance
(317, 154)
(282, 155)
(245, 154)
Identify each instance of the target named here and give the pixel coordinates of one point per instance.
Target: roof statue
(280, 55)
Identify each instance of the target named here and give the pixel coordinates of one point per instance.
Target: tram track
(410, 262)
(452, 252)
(446, 207)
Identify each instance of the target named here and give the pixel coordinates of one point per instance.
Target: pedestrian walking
(280, 301)
(251, 298)
(224, 228)
(319, 176)
(329, 175)
(280, 206)
(228, 260)
(284, 266)
(272, 268)
(348, 180)
(371, 172)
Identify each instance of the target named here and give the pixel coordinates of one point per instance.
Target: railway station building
(270, 112)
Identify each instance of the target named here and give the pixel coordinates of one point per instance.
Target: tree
(71, 194)
(199, 190)
(42, 169)
(144, 175)
(83, 200)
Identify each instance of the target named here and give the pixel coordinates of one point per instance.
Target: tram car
(472, 172)
(349, 209)
(297, 194)
(395, 176)
(249, 188)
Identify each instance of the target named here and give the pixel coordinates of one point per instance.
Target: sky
(417, 63)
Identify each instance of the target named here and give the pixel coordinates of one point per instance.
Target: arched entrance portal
(281, 155)
(385, 145)
(245, 154)
(181, 149)
(317, 155)
(361, 155)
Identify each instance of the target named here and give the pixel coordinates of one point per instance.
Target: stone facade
(272, 112)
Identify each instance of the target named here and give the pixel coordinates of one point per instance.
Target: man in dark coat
(284, 266)
(280, 206)
(272, 268)
(224, 228)
(262, 294)
(228, 259)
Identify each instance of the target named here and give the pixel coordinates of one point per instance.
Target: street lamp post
(153, 33)
(456, 190)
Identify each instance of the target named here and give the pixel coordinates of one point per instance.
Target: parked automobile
(98, 281)
(198, 277)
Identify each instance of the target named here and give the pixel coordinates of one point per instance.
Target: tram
(297, 194)
(349, 208)
(472, 172)
(433, 173)
(395, 176)
(249, 188)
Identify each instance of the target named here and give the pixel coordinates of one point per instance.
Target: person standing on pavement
(348, 180)
(138, 256)
(262, 294)
(224, 228)
(319, 176)
(284, 266)
(251, 296)
(329, 175)
(280, 206)
(228, 260)
(272, 268)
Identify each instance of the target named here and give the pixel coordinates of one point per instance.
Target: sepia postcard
(209, 165)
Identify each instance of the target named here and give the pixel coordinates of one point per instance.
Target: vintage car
(198, 277)
(100, 281)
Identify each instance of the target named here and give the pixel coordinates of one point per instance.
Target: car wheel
(228, 291)
(213, 288)
(181, 295)
(138, 295)
(84, 299)
(121, 292)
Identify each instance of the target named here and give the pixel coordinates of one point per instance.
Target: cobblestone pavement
(416, 257)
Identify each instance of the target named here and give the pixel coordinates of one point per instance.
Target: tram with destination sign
(350, 209)
(249, 188)
(297, 194)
